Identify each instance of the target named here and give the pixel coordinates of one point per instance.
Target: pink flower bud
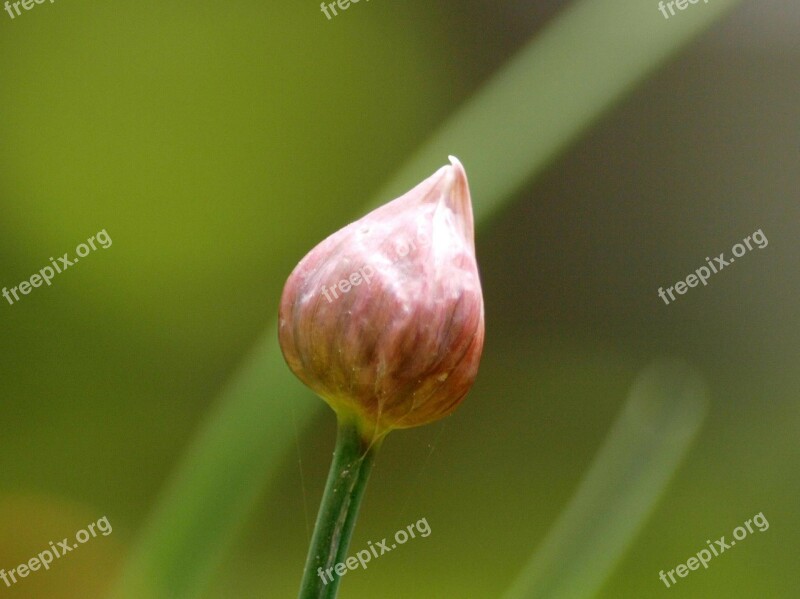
(384, 318)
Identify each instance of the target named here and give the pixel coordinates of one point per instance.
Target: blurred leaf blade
(224, 471)
(654, 431)
(557, 85)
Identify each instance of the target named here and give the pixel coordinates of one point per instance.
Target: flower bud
(384, 318)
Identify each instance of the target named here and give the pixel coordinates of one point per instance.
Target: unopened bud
(384, 319)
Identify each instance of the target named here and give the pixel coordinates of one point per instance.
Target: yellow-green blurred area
(216, 143)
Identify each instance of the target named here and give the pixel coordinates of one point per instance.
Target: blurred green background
(218, 143)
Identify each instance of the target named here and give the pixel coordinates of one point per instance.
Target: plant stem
(347, 479)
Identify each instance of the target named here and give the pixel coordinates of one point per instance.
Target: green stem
(347, 479)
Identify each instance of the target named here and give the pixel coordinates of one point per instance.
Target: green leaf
(652, 434)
